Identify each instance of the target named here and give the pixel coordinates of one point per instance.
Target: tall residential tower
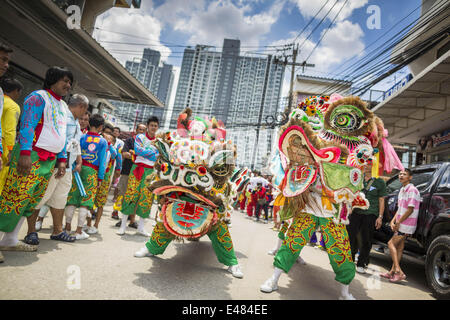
(235, 89)
(157, 77)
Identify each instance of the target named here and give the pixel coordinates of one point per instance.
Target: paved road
(190, 270)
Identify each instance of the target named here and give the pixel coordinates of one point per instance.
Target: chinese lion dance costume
(318, 167)
(194, 182)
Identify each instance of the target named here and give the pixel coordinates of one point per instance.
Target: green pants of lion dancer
(21, 194)
(220, 239)
(137, 199)
(336, 242)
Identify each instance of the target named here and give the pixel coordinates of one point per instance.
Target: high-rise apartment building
(234, 89)
(154, 76)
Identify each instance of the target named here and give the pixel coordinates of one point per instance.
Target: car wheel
(437, 267)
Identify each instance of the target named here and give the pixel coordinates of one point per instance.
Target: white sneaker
(269, 286)
(272, 252)
(85, 227)
(143, 252)
(92, 230)
(347, 297)
(360, 270)
(345, 294)
(81, 236)
(38, 225)
(235, 271)
(301, 261)
(143, 233)
(120, 232)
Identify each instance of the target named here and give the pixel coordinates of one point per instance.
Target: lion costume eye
(347, 118)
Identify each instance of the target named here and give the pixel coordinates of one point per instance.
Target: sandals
(20, 246)
(397, 277)
(63, 236)
(386, 275)
(32, 239)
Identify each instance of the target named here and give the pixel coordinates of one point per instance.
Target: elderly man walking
(58, 189)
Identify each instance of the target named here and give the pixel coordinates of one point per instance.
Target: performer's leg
(157, 243)
(280, 238)
(43, 212)
(123, 225)
(82, 214)
(10, 239)
(223, 247)
(57, 216)
(141, 227)
(131, 195)
(21, 194)
(68, 212)
(339, 252)
(297, 237)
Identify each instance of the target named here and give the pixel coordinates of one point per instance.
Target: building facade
(239, 90)
(156, 77)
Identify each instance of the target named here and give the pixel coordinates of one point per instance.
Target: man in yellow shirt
(12, 90)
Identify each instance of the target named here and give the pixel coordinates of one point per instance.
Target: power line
(315, 28)
(310, 21)
(365, 65)
(329, 27)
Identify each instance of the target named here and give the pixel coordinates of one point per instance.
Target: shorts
(122, 185)
(398, 233)
(57, 191)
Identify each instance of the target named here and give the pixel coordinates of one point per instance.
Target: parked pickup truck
(431, 241)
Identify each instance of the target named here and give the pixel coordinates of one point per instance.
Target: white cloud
(342, 42)
(129, 27)
(309, 8)
(211, 23)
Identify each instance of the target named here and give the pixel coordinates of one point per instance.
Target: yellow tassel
(279, 200)
(375, 165)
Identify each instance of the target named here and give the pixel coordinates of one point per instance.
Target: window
(444, 184)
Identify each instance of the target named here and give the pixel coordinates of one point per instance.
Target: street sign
(396, 87)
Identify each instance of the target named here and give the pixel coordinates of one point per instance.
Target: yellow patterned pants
(220, 239)
(138, 199)
(336, 242)
(21, 194)
(89, 178)
(102, 193)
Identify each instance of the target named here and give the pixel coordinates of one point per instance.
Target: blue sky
(171, 25)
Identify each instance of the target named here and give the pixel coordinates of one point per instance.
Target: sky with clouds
(170, 25)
